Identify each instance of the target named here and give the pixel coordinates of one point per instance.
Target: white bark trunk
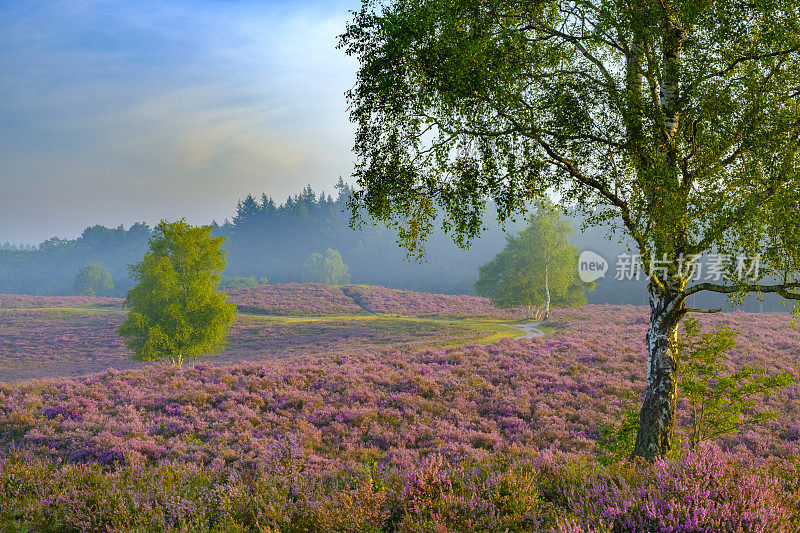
(547, 291)
(657, 417)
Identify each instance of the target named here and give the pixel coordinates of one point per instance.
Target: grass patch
(488, 333)
(549, 330)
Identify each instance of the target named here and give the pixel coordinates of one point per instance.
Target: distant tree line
(268, 240)
(9, 246)
(52, 267)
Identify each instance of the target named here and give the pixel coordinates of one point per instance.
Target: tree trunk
(547, 291)
(657, 417)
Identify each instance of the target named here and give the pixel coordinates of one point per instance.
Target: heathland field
(365, 409)
(70, 336)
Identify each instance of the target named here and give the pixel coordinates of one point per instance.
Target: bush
(92, 280)
(328, 269)
(721, 401)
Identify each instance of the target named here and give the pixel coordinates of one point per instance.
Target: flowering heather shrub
(553, 393)
(706, 491)
(493, 438)
(24, 301)
(294, 299)
(46, 496)
(411, 303)
(49, 343)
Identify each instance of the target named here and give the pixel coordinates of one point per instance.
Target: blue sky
(115, 112)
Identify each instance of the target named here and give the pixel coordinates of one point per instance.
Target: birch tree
(676, 121)
(537, 267)
(175, 310)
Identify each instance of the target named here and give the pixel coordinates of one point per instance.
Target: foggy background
(267, 238)
(117, 114)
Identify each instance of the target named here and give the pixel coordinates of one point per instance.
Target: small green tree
(537, 267)
(92, 280)
(721, 402)
(328, 269)
(176, 312)
(616, 440)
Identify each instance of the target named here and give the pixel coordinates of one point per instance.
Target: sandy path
(530, 329)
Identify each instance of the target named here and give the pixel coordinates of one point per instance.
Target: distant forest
(272, 240)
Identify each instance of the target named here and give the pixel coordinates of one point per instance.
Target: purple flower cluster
(706, 490)
(294, 299)
(379, 437)
(43, 343)
(411, 303)
(24, 301)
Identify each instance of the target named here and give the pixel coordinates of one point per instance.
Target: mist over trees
(326, 268)
(537, 268)
(93, 280)
(272, 240)
(275, 240)
(9, 246)
(51, 267)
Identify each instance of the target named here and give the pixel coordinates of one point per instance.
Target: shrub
(328, 269)
(721, 401)
(235, 282)
(92, 280)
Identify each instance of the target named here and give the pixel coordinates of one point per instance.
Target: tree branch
(575, 41)
(752, 57)
(723, 224)
(785, 290)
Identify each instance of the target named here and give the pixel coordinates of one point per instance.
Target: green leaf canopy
(176, 312)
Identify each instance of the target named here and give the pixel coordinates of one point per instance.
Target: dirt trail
(531, 329)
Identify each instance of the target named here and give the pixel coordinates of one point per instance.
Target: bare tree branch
(695, 310)
(785, 290)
